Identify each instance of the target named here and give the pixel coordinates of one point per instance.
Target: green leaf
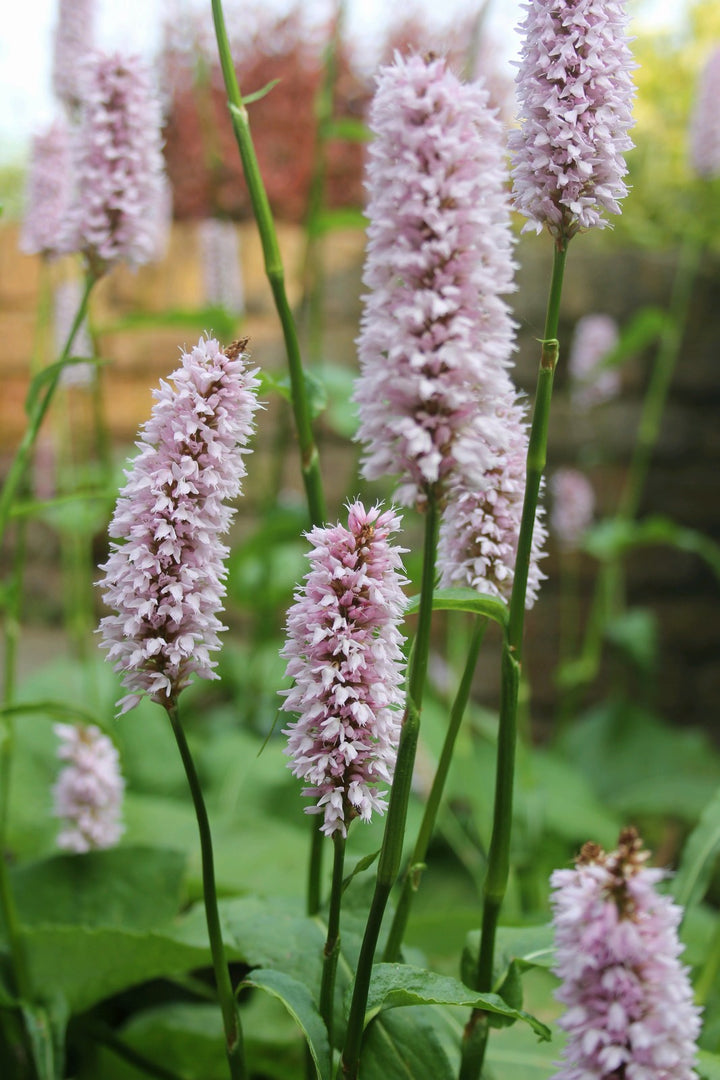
(613, 537)
(45, 1025)
(360, 865)
(86, 965)
(132, 887)
(461, 599)
(524, 947)
(348, 129)
(258, 94)
(46, 376)
(635, 633)
(549, 785)
(348, 217)
(699, 856)
(638, 764)
(407, 1045)
(396, 985)
(648, 325)
(708, 1065)
(314, 388)
(299, 1002)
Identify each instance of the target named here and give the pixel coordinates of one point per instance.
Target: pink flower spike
(48, 191)
(594, 338)
(436, 334)
(705, 123)
(165, 575)
(575, 94)
(121, 208)
(480, 527)
(74, 40)
(89, 791)
(573, 507)
(344, 654)
(628, 999)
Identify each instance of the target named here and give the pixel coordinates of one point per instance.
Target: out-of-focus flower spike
(48, 191)
(705, 123)
(595, 336)
(74, 40)
(88, 793)
(573, 506)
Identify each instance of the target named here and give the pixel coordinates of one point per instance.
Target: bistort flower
(165, 575)
(220, 263)
(88, 793)
(575, 93)
(629, 1005)
(573, 507)
(74, 40)
(480, 527)
(121, 208)
(344, 654)
(705, 123)
(594, 338)
(436, 334)
(48, 191)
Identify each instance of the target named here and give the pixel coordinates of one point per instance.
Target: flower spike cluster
(629, 1008)
(436, 333)
(575, 93)
(344, 655)
(121, 208)
(480, 527)
(165, 575)
(573, 507)
(48, 191)
(88, 792)
(74, 39)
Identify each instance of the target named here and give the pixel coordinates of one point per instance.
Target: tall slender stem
(332, 941)
(393, 836)
(228, 1005)
(411, 879)
(309, 457)
(21, 460)
(476, 1031)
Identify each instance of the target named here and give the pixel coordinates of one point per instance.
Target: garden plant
(459, 899)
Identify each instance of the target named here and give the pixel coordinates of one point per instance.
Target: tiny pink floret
(344, 654)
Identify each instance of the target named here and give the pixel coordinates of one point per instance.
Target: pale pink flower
(629, 1007)
(594, 338)
(575, 94)
(165, 575)
(573, 507)
(66, 299)
(344, 654)
(121, 207)
(705, 123)
(220, 262)
(48, 191)
(480, 527)
(88, 793)
(436, 335)
(74, 39)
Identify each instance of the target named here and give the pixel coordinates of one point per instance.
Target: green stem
(661, 378)
(228, 1005)
(477, 1029)
(413, 873)
(709, 973)
(21, 460)
(309, 457)
(393, 836)
(332, 941)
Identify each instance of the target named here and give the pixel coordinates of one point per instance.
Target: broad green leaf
(45, 1025)
(525, 946)
(708, 1065)
(136, 888)
(462, 599)
(299, 1002)
(699, 856)
(85, 966)
(548, 785)
(515, 1054)
(396, 985)
(635, 633)
(613, 537)
(407, 1044)
(638, 764)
